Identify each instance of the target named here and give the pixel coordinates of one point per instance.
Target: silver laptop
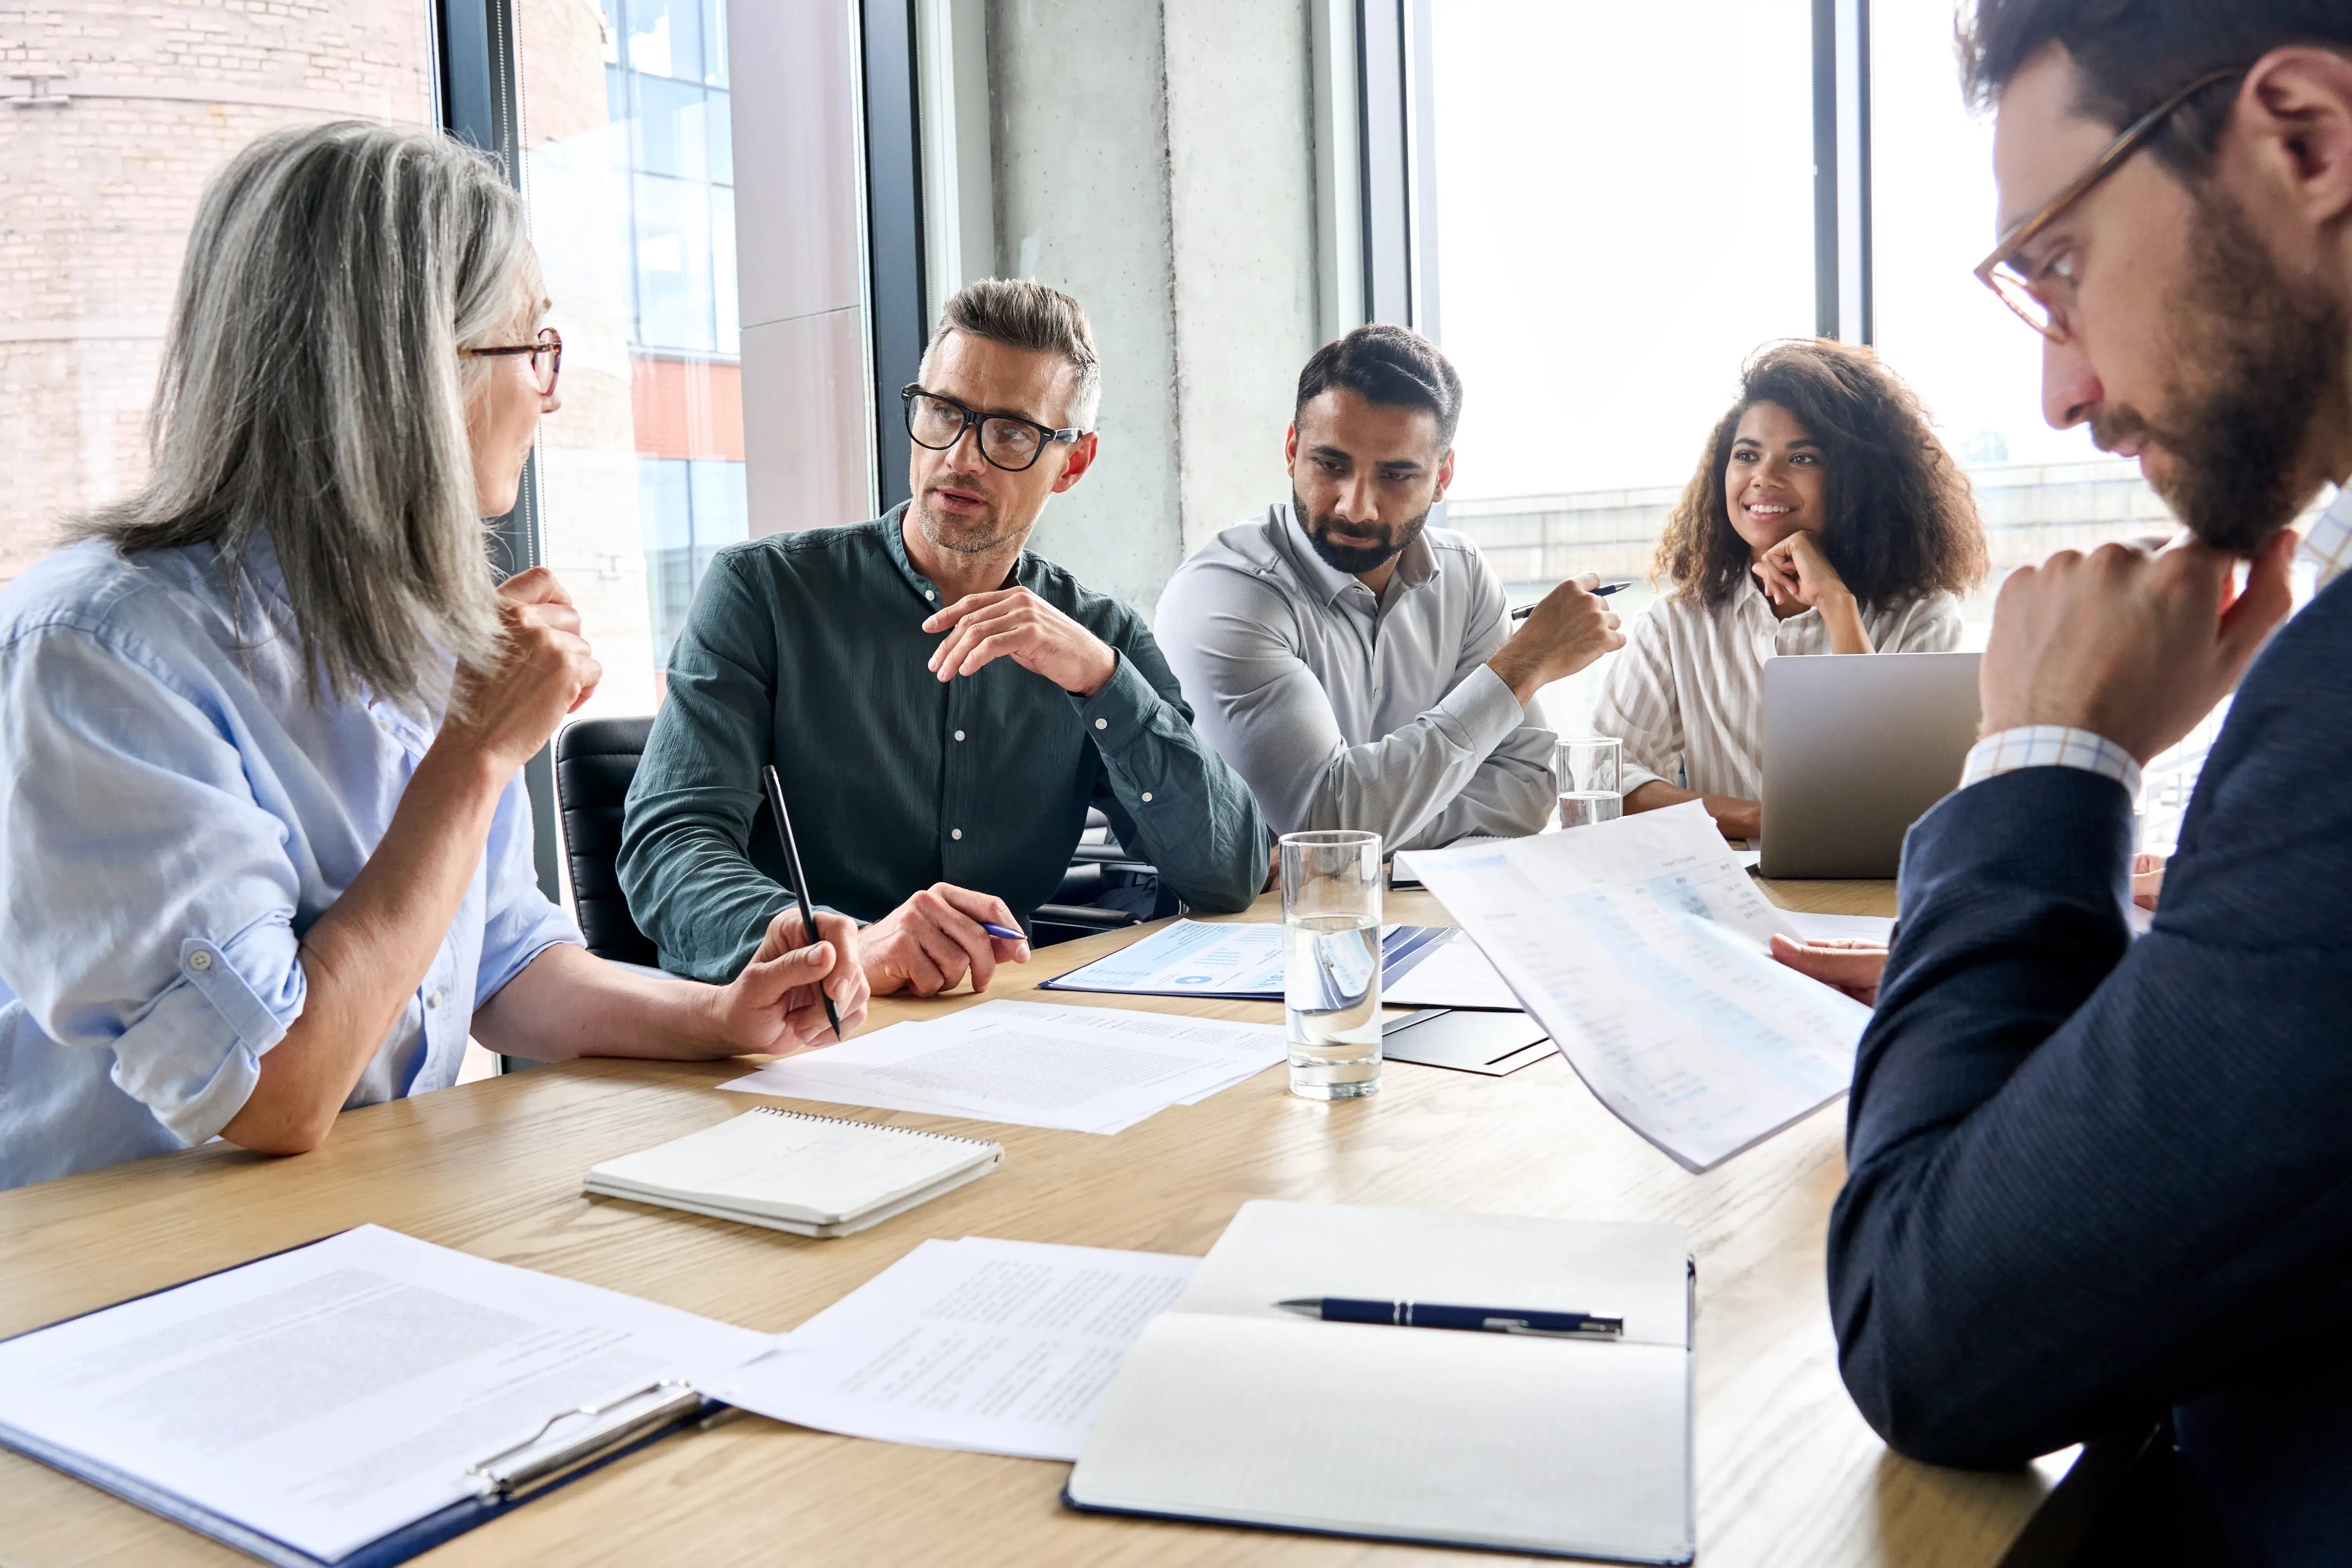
(1857, 748)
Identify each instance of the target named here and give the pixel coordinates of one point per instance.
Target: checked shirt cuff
(2051, 746)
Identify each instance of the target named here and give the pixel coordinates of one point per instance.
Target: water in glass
(1579, 808)
(1331, 977)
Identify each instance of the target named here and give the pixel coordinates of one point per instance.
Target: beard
(1354, 559)
(2261, 359)
(975, 535)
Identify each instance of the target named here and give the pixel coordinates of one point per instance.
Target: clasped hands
(1016, 624)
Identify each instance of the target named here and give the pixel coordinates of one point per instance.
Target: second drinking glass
(1591, 774)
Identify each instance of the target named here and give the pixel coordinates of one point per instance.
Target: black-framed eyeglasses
(2002, 271)
(546, 357)
(1006, 440)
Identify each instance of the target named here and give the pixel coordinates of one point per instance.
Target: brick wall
(97, 193)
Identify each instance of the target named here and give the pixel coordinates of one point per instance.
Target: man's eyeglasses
(2004, 271)
(1006, 440)
(546, 357)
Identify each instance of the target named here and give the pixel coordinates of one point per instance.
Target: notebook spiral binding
(870, 1126)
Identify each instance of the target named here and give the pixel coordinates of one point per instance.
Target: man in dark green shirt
(942, 705)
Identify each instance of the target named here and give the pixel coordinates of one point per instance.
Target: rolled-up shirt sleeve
(521, 921)
(148, 903)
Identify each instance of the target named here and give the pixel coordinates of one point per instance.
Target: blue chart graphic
(1721, 954)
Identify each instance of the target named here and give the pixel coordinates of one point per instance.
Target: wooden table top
(1787, 1472)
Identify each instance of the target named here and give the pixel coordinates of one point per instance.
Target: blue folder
(596, 1449)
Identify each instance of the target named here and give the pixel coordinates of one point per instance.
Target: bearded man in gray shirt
(1357, 666)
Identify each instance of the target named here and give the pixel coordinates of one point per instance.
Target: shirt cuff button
(1102, 723)
(1147, 797)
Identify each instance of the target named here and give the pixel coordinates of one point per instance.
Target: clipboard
(506, 1480)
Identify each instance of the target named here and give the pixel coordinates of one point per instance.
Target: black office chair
(1106, 888)
(595, 760)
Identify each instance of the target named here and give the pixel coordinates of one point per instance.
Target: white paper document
(1454, 974)
(1228, 961)
(1643, 949)
(1879, 929)
(1084, 1069)
(329, 1396)
(1002, 1347)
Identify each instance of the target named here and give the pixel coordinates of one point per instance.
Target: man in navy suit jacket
(2094, 1180)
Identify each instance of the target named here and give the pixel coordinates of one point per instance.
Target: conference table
(1787, 1471)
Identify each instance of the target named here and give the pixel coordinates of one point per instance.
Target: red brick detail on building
(686, 408)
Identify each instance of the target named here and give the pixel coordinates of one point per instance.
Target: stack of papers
(1001, 1347)
(1644, 951)
(1082, 1069)
(1452, 973)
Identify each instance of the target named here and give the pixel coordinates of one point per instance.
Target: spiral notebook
(812, 1176)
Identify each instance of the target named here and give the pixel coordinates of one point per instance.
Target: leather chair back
(595, 760)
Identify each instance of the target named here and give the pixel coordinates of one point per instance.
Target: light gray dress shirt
(1344, 710)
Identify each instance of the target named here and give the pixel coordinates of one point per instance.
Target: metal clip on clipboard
(674, 1400)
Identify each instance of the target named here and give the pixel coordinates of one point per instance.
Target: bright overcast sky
(1625, 211)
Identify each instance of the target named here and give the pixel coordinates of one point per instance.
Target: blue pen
(1477, 1319)
(1007, 933)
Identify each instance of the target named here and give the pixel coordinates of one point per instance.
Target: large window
(629, 167)
(1625, 211)
(113, 116)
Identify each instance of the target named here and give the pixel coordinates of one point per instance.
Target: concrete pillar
(1156, 160)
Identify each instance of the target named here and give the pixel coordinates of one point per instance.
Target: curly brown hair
(1902, 518)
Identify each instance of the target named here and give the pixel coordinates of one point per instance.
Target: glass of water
(1590, 775)
(1331, 963)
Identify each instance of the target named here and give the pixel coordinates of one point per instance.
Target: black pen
(800, 885)
(1477, 1319)
(1602, 592)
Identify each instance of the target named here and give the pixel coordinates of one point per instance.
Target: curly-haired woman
(1824, 518)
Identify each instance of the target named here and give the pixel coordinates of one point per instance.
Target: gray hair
(312, 391)
(1022, 313)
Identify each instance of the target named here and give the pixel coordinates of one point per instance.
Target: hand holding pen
(1560, 633)
(1602, 592)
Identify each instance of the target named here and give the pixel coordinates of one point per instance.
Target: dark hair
(1022, 313)
(1390, 367)
(2132, 54)
(1902, 519)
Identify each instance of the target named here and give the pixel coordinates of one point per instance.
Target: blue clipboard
(598, 1447)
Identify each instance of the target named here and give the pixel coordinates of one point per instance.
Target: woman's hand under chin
(1797, 570)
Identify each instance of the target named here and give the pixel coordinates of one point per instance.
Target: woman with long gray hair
(264, 851)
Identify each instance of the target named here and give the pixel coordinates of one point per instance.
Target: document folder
(127, 1398)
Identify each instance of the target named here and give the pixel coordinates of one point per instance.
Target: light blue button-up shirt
(175, 813)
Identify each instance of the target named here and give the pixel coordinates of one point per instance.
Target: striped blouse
(1687, 694)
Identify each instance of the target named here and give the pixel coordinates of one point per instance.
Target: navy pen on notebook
(1476, 1319)
(800, 881)
(1602, 592)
